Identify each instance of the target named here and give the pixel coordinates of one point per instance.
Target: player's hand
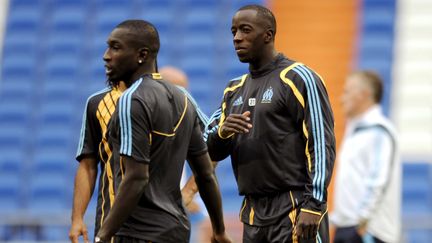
(236, 123)
(77, 229)
(221, 238)
(307, 225)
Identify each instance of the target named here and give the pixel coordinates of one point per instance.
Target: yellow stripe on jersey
(290, 83)
(105, 110)
(177, 125)
(183, 114)
(229, 89)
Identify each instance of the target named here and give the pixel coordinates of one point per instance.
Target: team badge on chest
(267, 96)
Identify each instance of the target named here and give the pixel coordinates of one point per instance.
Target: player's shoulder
(235, 83)
(298, 73)
(96, 97)
(237, 80)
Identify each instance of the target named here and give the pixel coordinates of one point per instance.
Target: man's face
(121, 58)
(248, 35)
(354, 94)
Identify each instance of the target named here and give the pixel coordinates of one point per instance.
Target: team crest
(267, 96)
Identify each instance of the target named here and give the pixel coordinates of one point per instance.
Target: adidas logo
(238, 101)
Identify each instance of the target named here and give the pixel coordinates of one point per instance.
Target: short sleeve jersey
(155, 123)
(97, 114)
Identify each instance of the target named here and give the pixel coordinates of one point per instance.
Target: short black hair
(374, 81)
(262, 13)
(147, 34)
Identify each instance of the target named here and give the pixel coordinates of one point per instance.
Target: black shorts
(282, 232)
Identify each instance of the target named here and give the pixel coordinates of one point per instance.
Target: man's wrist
(77, 218)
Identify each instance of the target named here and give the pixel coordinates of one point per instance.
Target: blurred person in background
(94, 151)
(367, 194)
(154, 129)
(193, 203)
(276, 122)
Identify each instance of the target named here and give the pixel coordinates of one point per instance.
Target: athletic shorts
(282, 232)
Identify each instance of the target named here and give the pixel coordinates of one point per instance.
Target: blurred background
(51, 61)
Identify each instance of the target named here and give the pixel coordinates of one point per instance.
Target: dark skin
(127, 61)
(254, 43)
(85, 181)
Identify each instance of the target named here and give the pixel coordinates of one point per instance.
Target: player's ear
(143, 54)
(269, 36)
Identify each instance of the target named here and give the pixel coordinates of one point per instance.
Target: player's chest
(258, 97)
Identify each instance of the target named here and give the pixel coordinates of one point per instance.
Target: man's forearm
(218, 148)
(85, 181)
(210, 194)
(190, 188)
(129, 193)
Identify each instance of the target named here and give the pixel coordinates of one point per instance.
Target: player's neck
(266, 58)
(143, 70)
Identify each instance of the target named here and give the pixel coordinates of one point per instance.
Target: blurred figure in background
(367, 200)
(194, 206)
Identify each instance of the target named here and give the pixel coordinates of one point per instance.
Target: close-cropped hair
(263, 13)
(147, 34)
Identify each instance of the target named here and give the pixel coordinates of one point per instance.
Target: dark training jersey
(93, 142)
(291, 146)
(155, 123)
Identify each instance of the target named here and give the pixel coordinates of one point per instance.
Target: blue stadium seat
(56, 159)
(162, 16)
(14, 112)
(49, 193)
(24, 19)
(201, 19)
(55, 233)
(68, 19)
(417, 195)
(10, 184)
(16, 89)
(203, 43)
(418, 236)
(109, 16)
(67, 66)
(376, 46)
(12, 160)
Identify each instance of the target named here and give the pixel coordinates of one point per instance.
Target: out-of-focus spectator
(367, 191)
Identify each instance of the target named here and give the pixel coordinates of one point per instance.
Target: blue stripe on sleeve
(216, 115)
(84, 120)
(201, 115)
(125, 119)
(321, 180)
(316, 119)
